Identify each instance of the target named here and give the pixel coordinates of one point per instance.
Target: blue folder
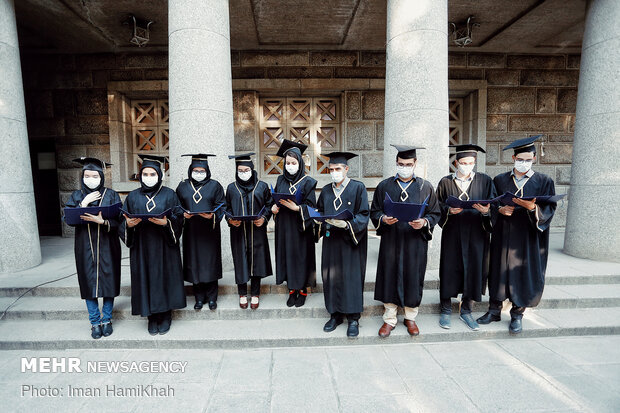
(404, 211)
(454, 202)
(316, 215)
(166, 213)
(297, 197)
(506, 199)
(203, 212)
(260, 214)
(72, 215)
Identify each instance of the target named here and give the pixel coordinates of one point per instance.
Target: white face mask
(245, 176)
(292, 168)
(523, 166)
(199, 176)
(405, 172)
(337, 176)
(92, 182)
(465, 169)
(150, 181)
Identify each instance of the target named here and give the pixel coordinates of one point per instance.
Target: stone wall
(66, 101)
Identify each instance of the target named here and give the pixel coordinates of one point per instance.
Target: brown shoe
(254, 305)
(412, 327)
(385, 330)
(243, 301)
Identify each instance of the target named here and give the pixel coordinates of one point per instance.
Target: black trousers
(206, 291)
(350, 316)
(242, 289)
(495, 308)
(466, 304)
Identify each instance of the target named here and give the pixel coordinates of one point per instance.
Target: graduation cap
(523, 145)
(199, 156)
(406, 151)
(339, 157)
(90, 163)
(467, 149)
(153, 161)
(243, 159)
(288, 145)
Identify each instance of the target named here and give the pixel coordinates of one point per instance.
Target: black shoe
(301, 299)
(165, 322)
(332, 324)
(198, 305)
(95, 331)
(292, 297)
(515, 326)
(107, 329)
(488, 318)
(353, 330)
(153, 328)
(212, 305)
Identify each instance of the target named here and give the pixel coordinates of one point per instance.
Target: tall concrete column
(20, 247)
(592, 221)
(416, 90)
(200, 92)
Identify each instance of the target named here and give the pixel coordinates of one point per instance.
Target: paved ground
(547, 375)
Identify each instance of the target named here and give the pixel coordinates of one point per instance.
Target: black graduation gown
(294, 237)
(465, 240)
(202, 241)
(343, 259)
(154, 255)
(520, 244)
(100, 243)
(401, 264)
(250, 249)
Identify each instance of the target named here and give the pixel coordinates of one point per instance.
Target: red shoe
(254, 302)
(243, 301)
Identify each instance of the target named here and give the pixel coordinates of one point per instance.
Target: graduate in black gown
(202, 243)
(520, 238)
(345, 245)
(248, 239)
(154, 254)
(97, 247)
(295, 256)
(403, 250)
(466, 236)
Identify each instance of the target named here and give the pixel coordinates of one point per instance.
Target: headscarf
(199, 163)
(294, 153)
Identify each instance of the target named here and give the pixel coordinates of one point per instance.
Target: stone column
(20, 247)
(200, 92)
(592, 220)
(416, 90)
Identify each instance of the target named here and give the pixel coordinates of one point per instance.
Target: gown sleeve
(432, 214)
(319, 229)
(73, 202)
(309, 201)
(376, 209)
(541, 216)
(174, 226)
(358, 226)
(442, 195)
(114, 222)
(487, 220)
(266, 195)
(125, 233)
(229, 206)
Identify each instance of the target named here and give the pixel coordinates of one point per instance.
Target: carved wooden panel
(149, 126)
(456, 124)
(312, 121)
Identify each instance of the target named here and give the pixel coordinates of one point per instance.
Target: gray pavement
(575, 374)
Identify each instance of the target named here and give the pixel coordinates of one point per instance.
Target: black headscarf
(294, 153)
(199, 163)
(92, 167)
(145, 189)
(250, 183)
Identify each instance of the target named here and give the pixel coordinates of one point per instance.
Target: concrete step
(273, 306)
(294, 332)
(69, 286)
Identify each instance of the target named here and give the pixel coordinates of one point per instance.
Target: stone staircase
(581, 298)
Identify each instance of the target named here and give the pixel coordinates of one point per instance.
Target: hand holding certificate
(246, 217)
(317, 216)
(73, 216)
(406, 212)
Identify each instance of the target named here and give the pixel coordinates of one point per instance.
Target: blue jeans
(94, 315)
